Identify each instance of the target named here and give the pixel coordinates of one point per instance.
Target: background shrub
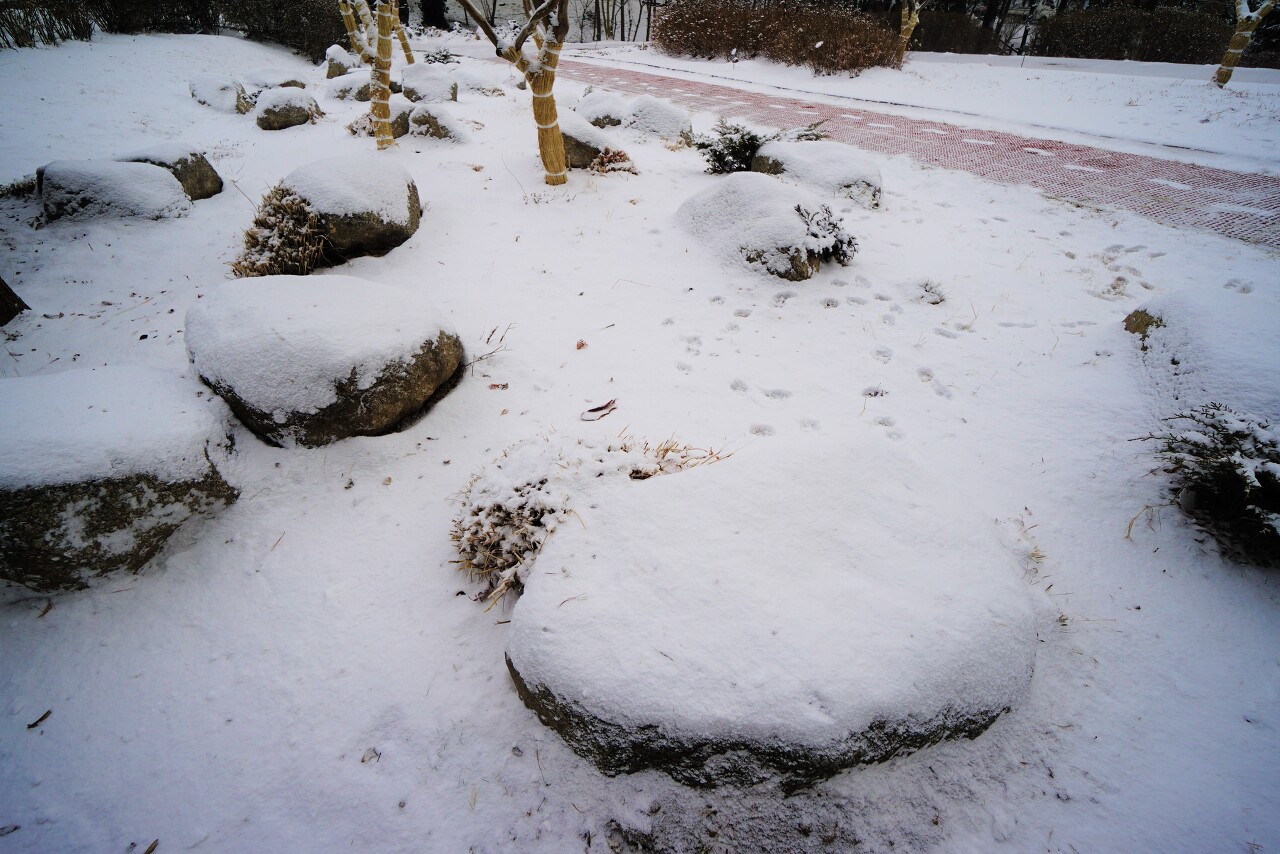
(307, 26)
(828, 39)
(1161, 34)
(162, 16)
(24, 23)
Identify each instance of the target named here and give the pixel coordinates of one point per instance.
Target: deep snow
(305, 671)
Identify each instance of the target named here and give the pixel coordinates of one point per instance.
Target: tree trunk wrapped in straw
(539, 71)
(380, 108)
(359, 44)
(910, 17)
(404, 40)
(1246, 22)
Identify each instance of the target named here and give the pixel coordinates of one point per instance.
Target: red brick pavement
(1236, 204)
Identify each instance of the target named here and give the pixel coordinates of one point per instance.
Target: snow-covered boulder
(221, 93)
(351, 87)
(428, 82)
(80, 189)
(278, 109)
(756, 219)
(482, 78)
(193, 170)
(437, 121)
(1212, 346)
(648, 114)
(686, 625)
(400, 108)
(831, 168)
(366, 205)
(339, 61)
(583, 141)
(99, 467)
(309, 360)
(602, 109)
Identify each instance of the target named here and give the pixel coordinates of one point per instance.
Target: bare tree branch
(536, 18)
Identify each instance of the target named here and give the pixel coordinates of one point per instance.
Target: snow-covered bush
(611, 160)
(286, 238)
(764, 222)
(1226, 475)
(648, 114)
(438, 55)
(731, 147)
(512, 506)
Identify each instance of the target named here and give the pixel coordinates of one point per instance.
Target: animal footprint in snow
(875, 391)
(829, 302)
(739, 386)
(808, 424)
(883, 354)
(693, 344)
(777, 394)
(742, 312)
(761, 430)
(890, 428)
(780, 299)
(945, 333)
(716, 300)
(1238, 286)
(684, 367)
(926, 376)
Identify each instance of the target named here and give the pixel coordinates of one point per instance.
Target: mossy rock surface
(59, 537)
(99, 467)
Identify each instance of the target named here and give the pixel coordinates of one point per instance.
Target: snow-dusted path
(1235, 204)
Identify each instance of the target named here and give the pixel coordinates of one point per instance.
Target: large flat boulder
(193, 170)
(84, 189)
(759, 221)
(99, 467)
(686, 625)
(831, 168)
(280, 109)
(428, 82)
(651, 115)
(309, 360)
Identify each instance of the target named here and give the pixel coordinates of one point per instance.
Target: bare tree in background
(548, 25)
(1247, 20)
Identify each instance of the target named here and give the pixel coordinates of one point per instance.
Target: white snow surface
(166, 153)
(285, 342)
(751, 214)
(225, 697)
(349, 185)
(648, 114)
(832, 168)
(100, 423)
(114, 189)
(1216, 348)
(693, 602)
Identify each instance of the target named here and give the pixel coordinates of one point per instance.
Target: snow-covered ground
(1133, 106)
(307, 672)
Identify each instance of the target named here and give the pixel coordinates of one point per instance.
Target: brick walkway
(1236, 204)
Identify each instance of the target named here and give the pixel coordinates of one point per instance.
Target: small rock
(279, 109)
(192, 169)
(221, 93)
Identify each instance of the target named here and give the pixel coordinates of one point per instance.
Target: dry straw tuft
(286, 238)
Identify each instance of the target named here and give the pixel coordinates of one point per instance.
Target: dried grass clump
(285, 239)
(611, 160)
(1226, 476)
(23, 188)
(512, 506)
(829, 39)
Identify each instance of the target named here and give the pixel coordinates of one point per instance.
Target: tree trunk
(596, 21)
(358, 44)
(433, 14)
(398, 26)
(550, 140)
(380, 108)
(11, 305)
(910, 17)
(1235, 48)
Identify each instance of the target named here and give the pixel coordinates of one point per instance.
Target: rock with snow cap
(689, 627)
(82, 189)
(279, 109)
(99, 467)
(309, 360)
(193, 170)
